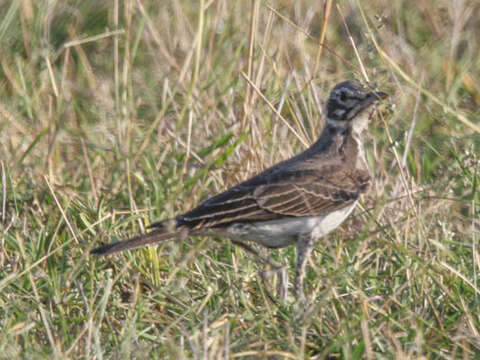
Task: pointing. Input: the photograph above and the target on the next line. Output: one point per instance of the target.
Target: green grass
(153, 112)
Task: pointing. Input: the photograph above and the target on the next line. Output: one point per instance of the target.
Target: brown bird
(297, 201)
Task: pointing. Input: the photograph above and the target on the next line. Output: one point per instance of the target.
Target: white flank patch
(284, 232)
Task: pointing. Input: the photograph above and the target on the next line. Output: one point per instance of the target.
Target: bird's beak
(373, 97)
(379, 95)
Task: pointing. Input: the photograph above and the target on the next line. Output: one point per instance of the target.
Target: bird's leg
(304, 249)
(277, 268)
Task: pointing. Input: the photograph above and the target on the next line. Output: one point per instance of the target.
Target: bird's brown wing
(277, 193)
(288, 192)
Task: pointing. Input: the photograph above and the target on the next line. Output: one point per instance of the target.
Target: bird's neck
(338, 139)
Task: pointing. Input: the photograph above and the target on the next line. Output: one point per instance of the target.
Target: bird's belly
(284, 232)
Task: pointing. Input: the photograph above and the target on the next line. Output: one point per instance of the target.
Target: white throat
(359, 126)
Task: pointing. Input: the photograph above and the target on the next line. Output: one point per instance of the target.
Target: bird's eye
(343, 96)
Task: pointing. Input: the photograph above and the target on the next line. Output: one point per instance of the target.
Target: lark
(295, 202)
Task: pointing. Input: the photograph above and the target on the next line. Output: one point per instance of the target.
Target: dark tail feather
(153, 237)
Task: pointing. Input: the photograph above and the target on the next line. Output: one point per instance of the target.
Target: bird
(295, 202)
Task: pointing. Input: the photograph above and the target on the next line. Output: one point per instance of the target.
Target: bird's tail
(153, 237)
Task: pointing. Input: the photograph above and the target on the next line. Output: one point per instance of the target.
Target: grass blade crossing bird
(296, 201)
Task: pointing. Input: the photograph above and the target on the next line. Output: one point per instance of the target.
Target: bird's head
(349, 105)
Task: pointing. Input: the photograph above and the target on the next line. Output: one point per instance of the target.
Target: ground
(116, 114)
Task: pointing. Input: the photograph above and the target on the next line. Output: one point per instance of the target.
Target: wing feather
(287, 192)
